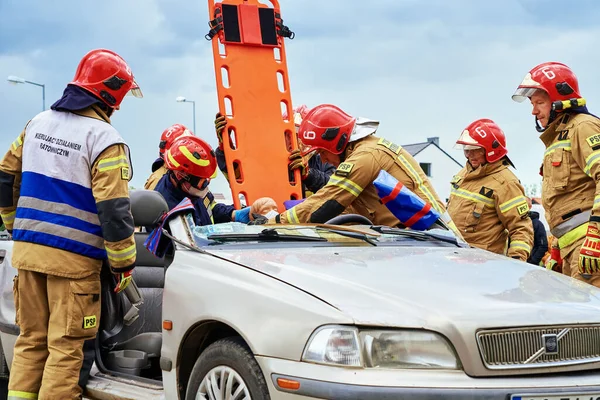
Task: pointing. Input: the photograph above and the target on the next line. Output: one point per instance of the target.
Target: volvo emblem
(550, 343)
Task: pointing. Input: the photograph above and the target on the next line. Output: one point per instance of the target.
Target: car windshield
(235, 233)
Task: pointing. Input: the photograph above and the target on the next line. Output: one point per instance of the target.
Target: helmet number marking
(481, 132)
(549, 73)
(309, 135)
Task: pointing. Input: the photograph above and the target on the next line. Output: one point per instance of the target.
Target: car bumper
(323, 382)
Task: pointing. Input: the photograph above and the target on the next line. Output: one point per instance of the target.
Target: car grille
(539, 347)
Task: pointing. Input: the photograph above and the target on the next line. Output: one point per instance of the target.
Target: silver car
(335, 312)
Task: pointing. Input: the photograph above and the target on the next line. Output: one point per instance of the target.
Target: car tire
(229, 358)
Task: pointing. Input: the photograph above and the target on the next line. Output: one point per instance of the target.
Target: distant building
(437, 164)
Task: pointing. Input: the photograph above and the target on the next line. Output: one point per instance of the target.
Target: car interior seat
(135, 349)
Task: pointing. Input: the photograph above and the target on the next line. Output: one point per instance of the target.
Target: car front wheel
(227, 370)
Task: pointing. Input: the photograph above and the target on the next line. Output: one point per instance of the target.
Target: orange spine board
(253, 92)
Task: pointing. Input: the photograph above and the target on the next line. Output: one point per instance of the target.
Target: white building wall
(443, 168)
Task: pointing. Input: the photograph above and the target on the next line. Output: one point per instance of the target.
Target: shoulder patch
(389, 145)
(344, 169)
(455, 182)
(594, 141)
(523, 209)
(89, 321)
(487, 192)
(563, 135)
(125, 173)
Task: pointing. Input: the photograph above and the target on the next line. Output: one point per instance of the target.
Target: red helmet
(554, 78)
(191, 159)
(169, 135)
(326, 127)
(107, 76)
(484, 133)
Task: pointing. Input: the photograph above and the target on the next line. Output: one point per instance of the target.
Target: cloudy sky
(422, 67)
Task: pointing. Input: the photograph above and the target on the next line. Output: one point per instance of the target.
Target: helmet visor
(466, 142)
(135, 91)
(523, 93)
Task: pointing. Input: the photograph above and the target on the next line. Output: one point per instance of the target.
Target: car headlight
(396, 349)
(337, 345)
(407, 349)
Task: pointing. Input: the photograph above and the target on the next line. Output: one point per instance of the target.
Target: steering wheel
(350, 219)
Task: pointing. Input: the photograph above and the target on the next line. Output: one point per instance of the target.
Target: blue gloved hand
(242, 215)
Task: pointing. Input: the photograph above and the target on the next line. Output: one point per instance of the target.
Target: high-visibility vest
(56, 206)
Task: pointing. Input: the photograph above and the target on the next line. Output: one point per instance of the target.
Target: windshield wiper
(270, 234)
(418, 235)
(350, 234)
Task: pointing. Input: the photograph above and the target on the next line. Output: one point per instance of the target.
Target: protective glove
(220, 125)
(554, 262)
(298, 162)
(242, 215)
(123, 280)
(258, 220)
(589, 255)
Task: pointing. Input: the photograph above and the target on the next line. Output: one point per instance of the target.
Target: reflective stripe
(86, 238)
(519, 244)
(58, 208)
(8, 218)
(572, 236)
(465, 194)
(420, 184)
(201, 162)
(209, 205)
(346, 184)
(16, 395)
(112, 163)
(120, 255)
(291, 215)
(172, 160)
(567, 226)
(512, 203)
(58, 191)
(17, 143)
(561, 144)
(590, 161)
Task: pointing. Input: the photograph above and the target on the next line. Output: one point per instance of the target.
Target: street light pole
(16, 80)
(182, 99)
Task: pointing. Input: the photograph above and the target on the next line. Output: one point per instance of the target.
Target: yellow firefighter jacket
(489, 207)
(352, 185)
(109, 185)
(571, 174)
(153, 179)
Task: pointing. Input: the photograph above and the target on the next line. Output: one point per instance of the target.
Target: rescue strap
(572, 236)
(247, 24)
(566, 227)
(405, 205)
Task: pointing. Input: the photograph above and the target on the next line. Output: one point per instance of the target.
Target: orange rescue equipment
(253, 92)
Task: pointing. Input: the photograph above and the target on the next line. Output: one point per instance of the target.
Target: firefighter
(167, 138)
(313, 172)
(571, 168)
(64, 196)
(191, 164)
(487, 202)
(349, 144)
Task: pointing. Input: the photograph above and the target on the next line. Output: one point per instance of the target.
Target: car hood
(427, 287)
